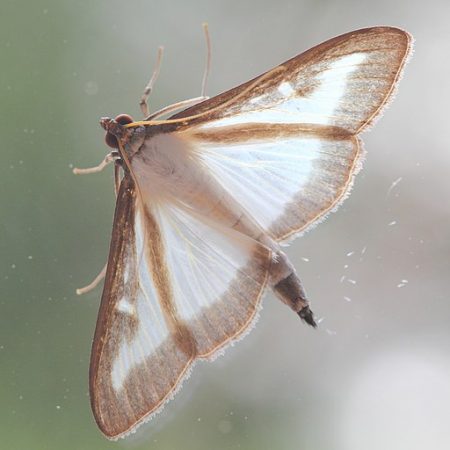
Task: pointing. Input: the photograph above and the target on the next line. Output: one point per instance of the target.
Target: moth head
(110, 139)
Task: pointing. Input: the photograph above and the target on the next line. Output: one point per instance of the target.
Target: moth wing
(284, 144)
(217, 276)
(176, 289)
(285, 176)
(343, 82)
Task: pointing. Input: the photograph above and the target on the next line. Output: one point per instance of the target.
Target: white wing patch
(217, 275)
(203, 260)
(151, 330)
(283, 182)
(288, 103)
(262, 176)
(325, 100)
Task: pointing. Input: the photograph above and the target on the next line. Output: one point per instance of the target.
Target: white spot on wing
(126, 307)
(285, 88)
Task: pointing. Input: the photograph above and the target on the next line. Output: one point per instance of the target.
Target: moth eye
(123, 119)
(110, 139)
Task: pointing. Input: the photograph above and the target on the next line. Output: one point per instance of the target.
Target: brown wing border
(123, 228)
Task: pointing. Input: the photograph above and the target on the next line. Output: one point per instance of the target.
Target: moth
(206, 198)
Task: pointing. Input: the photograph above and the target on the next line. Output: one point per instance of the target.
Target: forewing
(145, 341)
(285, 145)
(343, 82)
(135, 361)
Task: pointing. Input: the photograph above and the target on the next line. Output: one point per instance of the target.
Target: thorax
(165, 164)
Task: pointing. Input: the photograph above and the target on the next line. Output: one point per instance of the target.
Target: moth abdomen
(287, 286)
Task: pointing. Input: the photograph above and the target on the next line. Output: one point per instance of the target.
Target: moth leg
(148, 89)
(109, 158)
(94, 283)
(101, 275)
(117, 178)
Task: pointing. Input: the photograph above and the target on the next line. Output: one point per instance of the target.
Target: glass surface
(375, 375)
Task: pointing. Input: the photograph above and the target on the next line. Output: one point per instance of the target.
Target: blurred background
(375, 375)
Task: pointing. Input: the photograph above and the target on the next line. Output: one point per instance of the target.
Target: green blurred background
(376, 375)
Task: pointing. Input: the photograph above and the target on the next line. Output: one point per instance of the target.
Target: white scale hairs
(206, 197)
